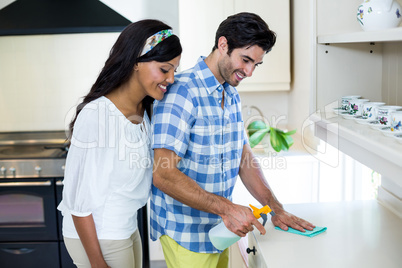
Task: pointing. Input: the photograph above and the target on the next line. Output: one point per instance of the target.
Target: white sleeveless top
(108, 171)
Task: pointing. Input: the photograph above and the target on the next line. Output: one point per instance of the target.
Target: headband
(155, 39)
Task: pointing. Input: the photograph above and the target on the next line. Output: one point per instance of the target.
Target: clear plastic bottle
(222, 238)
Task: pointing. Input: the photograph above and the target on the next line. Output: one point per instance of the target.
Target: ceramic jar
(379, 14)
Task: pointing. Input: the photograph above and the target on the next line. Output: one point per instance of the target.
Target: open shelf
(389, 35)
(373, 149)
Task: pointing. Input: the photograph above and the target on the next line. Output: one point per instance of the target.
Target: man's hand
(240, 220)
(284, 219)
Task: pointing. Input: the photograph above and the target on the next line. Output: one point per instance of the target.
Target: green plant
(279, 139)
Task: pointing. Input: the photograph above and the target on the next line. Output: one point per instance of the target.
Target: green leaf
(289, 140)
(286, 133)
(255, 126)
(275, 140)
(278, 130)
(279, 139)
(257, 137)
(290, 132)
(278, 142)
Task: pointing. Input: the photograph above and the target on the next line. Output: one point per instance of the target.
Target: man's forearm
(253, 178)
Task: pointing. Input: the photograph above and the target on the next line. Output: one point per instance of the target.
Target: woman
(109, 165)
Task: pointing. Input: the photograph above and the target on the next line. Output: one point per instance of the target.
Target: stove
(31, 175)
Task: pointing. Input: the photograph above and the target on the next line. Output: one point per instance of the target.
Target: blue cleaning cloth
(314, 232)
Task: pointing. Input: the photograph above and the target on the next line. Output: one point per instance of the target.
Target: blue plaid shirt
(190, 122)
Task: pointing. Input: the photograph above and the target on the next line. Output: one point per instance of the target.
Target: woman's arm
(85, 227)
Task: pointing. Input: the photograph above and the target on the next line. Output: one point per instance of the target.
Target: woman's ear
(136, 67)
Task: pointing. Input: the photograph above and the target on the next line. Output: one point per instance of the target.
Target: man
(200, 146)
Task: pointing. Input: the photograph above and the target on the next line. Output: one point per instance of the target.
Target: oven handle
(18, 251)
(20, 184)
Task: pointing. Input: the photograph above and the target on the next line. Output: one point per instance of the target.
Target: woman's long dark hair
(125, 54)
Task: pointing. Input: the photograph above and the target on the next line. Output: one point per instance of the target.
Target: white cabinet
(274, 73)
(255, 254)
(352, 62)
(247, 253)
(199, 21)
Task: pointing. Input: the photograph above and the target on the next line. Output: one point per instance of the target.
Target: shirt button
(220, 100)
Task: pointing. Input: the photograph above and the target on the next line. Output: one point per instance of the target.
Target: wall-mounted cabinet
(199, 22)
(352, 62)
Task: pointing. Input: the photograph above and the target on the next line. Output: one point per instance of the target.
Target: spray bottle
(222, 238)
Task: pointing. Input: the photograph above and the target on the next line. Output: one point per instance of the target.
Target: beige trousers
(125, 253)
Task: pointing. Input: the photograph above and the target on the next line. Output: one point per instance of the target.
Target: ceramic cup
(396, 121)
(345, 101)
(356, 106)
(384, 114)
(370, 110)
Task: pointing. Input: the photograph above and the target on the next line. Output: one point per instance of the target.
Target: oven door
(27, 210)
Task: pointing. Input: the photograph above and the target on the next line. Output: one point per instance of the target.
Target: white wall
(43, 76)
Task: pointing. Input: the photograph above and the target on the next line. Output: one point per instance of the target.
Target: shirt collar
(209, 80)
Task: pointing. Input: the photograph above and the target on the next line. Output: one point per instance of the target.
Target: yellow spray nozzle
(257, 211)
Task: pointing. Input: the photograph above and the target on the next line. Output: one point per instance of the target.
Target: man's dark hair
(245, 30)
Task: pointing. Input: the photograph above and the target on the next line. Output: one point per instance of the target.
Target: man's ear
(223, 45)
(136, 67)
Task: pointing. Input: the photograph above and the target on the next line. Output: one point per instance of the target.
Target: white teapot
(379, 14)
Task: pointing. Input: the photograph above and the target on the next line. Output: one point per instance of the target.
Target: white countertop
(360, 234)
